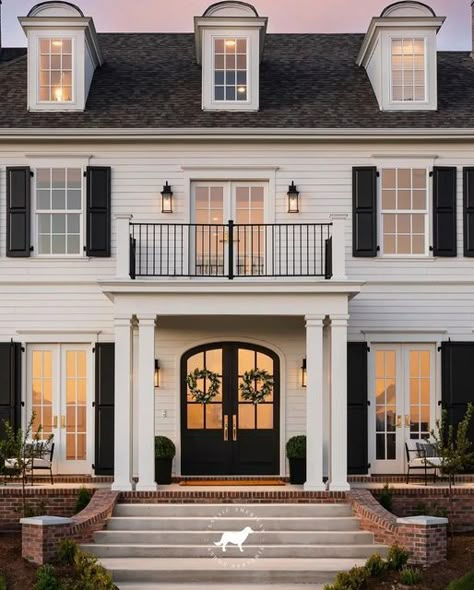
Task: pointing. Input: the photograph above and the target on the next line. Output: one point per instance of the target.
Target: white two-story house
(286, 212)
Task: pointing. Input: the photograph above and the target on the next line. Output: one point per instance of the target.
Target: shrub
(46, 578)
(354, 579)
(92, 575)
(464, 583)
(375, 565)
(386, 497)
(397, 558)
(164, 448)
(83, 499)
(67, 552)
(3, 582)
(410, 576)
(296, 447)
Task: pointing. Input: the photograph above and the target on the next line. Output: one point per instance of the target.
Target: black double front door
(228, 435)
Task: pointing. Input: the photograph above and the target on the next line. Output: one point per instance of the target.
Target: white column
(146, 403)
(338, 451)
(123, 405)
(314, 404)
(123, 245)
(339, 222)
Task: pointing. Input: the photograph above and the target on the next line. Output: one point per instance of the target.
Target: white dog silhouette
(234, 539)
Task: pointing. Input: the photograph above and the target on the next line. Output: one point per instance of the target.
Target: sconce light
(303, 373)
(157, 373)
(167, 199)
(293, 194)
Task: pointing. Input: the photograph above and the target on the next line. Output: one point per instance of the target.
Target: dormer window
(55, 70)
(400, 57)
(229, 46)
(230, 69)
(63, 54)
(408, 70)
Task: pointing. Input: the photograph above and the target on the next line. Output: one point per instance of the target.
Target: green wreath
(249, 388)
(203, 397)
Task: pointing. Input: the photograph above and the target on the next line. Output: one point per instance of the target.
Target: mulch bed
(20, 574)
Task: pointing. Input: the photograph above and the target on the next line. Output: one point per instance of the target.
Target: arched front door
(228, 435)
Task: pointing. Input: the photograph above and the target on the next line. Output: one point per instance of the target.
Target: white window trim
(34, 213)
(428, 227)
(242, 103)
(253, 67)
(425, 70)
(59, 103)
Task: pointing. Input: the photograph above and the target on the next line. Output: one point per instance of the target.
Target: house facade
(192, 218)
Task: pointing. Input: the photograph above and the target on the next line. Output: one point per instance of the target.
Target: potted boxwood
(164, 454)
(296, 453)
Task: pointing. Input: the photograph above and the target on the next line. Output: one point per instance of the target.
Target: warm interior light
(57, 43)
(241, 89)
(157, 373)
(230, 43)
(58, 94)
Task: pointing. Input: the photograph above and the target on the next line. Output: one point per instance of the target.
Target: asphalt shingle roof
(307, 81)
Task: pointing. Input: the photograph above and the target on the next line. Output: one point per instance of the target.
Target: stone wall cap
(46, 520)
(422, 520)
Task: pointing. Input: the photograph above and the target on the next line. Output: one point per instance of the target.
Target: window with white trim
(404, 211)
(230, 59)
(59, 211)
(408, 70)
(55, 70)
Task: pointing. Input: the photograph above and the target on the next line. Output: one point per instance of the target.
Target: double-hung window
(59, 211)
(230, 67)
(408, 72)
(404, 212)
(55, 70)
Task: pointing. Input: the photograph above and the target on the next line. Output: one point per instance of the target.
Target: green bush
(397, 558)
(46, 579)
(375, 565)
(83, 499)
(464, 583)
(386, 497)
(3, 582)
(354, 579)
(67, 552)
(92, 575)
(410, 576)
(296, 447)
(164, 448)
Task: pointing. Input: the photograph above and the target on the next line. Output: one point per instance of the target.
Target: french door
(58, 392)
(402, 396)
(213, 205)
(229, 435)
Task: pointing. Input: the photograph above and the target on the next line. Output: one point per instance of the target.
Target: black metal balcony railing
(230, 250)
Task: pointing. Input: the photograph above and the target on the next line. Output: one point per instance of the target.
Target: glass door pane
(419, 400)
(254, 416)
(42, 392)
(208, 236)
(207, 416)
(250, 236)
(76, 405)
(385, 404)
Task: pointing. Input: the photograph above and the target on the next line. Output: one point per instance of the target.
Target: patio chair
(38, 455)
(421, 455)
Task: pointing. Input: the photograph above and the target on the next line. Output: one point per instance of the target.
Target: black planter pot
(163, 471)
(297, 471)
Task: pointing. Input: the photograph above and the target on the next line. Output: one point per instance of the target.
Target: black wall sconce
(157, 373)
(293, 198)
(303, 373)
(167, 199)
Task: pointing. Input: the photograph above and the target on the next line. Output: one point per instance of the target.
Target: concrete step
(171, 537)
(213, 510)
(227, 570)
(267, 551)
(237, 523)
(151, 586)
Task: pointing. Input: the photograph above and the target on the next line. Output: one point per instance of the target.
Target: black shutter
(457, 378)
(364, 212)
(357, 426)
(468, 211)
(104, 408)
(10, 384)
(98, 211)
(18, 212)
(444, 211)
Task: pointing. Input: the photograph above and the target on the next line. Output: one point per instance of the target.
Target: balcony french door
(212, 205)
(402, 396)
(58, 392)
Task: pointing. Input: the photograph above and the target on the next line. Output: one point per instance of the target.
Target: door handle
(55, 421)
(399, 421)
(63, 421)
(234, 427)
(226, 427)
(407, 420)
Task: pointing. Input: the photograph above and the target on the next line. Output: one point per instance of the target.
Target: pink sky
(298, 16)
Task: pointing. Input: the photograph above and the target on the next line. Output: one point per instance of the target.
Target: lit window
(230, 69)
(404, 211)
(408, 70)
(59, 210)
(55, 70)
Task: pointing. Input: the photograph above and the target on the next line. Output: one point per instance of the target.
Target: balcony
(231, 251)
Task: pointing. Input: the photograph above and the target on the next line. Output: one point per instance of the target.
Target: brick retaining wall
(211, 496)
